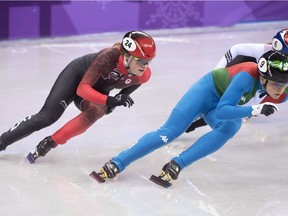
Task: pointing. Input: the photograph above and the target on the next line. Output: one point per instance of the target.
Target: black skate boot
(170, 171)
(109, 170)
(3, 146)
(41, 149)
(196, 124)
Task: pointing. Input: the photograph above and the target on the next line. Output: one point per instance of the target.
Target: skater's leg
(60, 96)
(30, 124)
(210, 142)
(204, 146)
(174, 127)
(89, 115)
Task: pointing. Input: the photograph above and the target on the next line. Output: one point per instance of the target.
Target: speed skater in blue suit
(219, 97)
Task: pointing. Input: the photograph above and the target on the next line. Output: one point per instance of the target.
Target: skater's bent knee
(166, 134)
(230, 128)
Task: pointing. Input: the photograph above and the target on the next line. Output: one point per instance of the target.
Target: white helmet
(280, 41)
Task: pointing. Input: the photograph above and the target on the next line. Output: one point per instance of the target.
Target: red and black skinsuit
(86, 81)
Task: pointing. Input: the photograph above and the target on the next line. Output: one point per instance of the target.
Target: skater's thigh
(64, 89)
(229, 127)
(198, 100)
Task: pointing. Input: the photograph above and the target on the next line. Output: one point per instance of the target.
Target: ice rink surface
(247, 177)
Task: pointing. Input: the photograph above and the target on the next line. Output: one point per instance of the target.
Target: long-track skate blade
(31, 158)
(159, 181)
(97, 177)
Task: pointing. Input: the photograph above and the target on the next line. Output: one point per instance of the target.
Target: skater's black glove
(109, 110)
(119, 100)
(266, 109)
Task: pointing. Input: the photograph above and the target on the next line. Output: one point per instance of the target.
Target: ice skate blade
(157, 180)
(31, 158)
(97, 177)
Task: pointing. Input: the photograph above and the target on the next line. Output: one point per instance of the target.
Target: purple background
(33, 19)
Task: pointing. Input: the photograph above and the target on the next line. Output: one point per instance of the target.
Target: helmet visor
(278, 84)
(141, 61)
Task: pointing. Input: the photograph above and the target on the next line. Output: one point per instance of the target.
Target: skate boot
(3, 146)
(109, 170)
(170, 171)
(41, 149)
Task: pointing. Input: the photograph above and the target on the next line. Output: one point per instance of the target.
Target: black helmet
(273, 65)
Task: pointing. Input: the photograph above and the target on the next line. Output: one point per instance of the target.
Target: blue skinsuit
(221, 113)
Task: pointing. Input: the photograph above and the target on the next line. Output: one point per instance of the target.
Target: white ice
(247, 177)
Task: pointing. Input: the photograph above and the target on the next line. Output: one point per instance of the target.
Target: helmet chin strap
(127, 63)
(264, 86)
